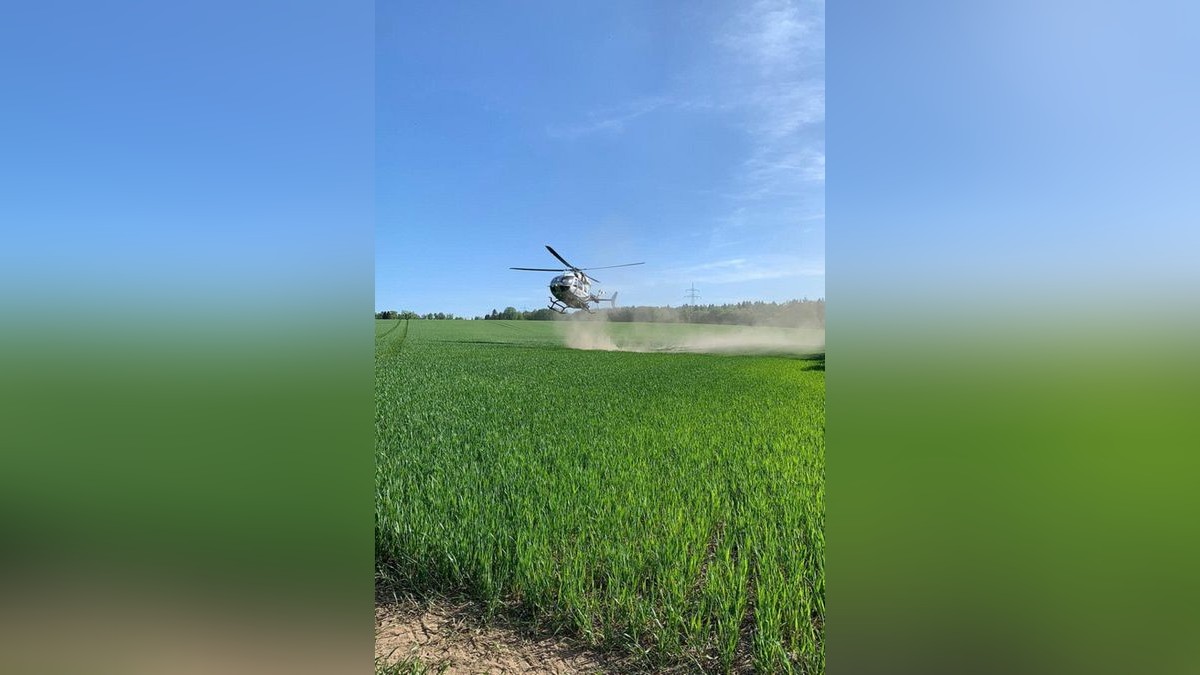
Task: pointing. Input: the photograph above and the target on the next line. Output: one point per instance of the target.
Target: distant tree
(805, 312)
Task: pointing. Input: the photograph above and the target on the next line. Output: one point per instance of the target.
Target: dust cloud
(588, 335)
(596, 333)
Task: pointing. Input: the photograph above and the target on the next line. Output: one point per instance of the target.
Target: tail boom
(612, 300)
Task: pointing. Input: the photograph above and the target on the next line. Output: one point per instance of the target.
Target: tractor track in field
(714, 540)
(393, 346)
(394, 327)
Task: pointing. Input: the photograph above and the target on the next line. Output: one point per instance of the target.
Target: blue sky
(167, 156)
(689, 135)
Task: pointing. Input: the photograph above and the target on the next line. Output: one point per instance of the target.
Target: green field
(670, 505)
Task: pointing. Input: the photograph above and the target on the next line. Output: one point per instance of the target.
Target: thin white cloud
(611, 120)
(772, 55)
(742, 276)
(779, 45)
(775, 35)
(736, 262)
(775, 51)
(774, 172)
(739, 270)
(781, 108)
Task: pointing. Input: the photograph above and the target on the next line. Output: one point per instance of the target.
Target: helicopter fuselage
(571, 290)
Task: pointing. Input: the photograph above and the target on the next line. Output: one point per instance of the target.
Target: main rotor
(571, 268)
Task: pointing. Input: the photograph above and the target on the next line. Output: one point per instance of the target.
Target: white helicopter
(570, 290)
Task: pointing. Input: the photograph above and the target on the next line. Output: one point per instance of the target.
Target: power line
(692, 295)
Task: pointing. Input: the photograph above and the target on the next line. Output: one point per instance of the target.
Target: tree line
(392, 314)
(809, 313)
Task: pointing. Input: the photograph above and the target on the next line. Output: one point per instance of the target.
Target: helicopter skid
(558, 305)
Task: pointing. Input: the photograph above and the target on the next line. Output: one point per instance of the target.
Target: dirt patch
(453, 638)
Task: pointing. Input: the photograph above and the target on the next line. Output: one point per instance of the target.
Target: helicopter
(570, 290)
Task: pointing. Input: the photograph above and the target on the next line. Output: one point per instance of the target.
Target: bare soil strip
(452, 638)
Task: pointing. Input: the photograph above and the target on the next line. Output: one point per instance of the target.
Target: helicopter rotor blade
(609, 267)
(571, 267)
(560, 258)
(606, 267)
